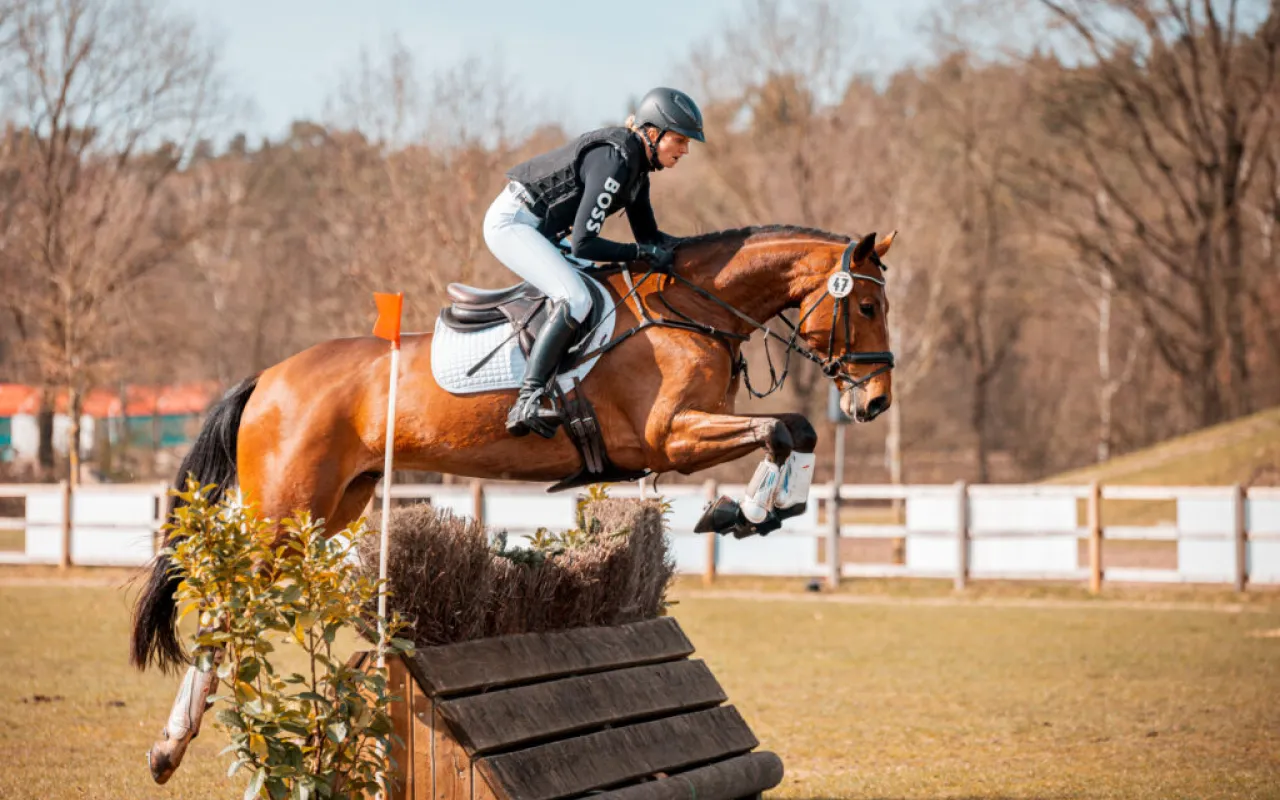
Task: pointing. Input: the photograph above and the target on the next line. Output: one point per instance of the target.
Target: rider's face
(671, 148)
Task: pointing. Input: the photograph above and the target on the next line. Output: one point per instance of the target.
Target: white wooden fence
(110, 524)
(1218, 535)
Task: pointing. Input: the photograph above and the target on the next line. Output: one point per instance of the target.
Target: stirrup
(529, 416)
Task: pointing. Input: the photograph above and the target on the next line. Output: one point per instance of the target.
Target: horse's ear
(864, 248)
(886, 243)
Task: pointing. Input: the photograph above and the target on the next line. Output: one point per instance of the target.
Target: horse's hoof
(724, 516)
(721, 516)
(165, 756)
(763, 528)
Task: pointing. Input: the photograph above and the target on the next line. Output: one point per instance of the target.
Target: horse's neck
(761, 282)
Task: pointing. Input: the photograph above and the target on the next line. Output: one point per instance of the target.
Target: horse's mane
(757, 232)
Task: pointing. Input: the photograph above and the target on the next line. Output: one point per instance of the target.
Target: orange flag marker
(387, 327)
(388, 324)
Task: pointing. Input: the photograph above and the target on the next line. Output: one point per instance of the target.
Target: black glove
(667, 240)
(660, 258)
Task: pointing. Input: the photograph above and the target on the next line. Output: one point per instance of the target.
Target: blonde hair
(640, 129)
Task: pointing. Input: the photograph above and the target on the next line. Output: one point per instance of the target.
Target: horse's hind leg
(323, 498)
(354, 500)
(183, 723)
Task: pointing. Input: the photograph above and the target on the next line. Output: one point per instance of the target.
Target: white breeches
(511, 232)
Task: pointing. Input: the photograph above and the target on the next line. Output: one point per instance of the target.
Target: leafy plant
(546, 543)
(322, 733)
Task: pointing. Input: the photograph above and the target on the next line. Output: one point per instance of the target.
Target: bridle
(841, 281)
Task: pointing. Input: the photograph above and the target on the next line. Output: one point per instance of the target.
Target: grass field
(863, 695)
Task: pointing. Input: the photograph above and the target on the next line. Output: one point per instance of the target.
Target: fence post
(834, 560)
(962, 534)
(1095, 537)
(162, 519)
(477, 500)
(713, 543)
(1240, 536)
(64, 560)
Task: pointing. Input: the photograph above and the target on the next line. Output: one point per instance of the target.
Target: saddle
(526, 308)
(523, 305)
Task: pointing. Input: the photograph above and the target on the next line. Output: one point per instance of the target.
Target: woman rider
(575, 187)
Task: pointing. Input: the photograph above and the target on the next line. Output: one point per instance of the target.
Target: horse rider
(575, 188)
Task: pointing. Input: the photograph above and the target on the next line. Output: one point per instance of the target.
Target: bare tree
(970, 113)
(1162, 130)
(403, 199)
(113, 96)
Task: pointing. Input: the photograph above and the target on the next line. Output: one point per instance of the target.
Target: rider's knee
(579, 300)
(494, 219)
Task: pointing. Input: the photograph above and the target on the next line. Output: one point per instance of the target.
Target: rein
(839, 288)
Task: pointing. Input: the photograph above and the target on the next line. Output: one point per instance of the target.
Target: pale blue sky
(583, 58)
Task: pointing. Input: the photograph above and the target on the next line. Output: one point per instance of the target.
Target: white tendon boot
(797, 477)
(759, 497)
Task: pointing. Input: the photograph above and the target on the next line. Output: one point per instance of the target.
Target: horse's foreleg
(183, 724)
(780, 485)
(796, 473)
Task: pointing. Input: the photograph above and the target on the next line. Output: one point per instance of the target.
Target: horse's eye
(868, 310)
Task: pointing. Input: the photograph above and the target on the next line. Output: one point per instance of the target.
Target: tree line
(1087, 194)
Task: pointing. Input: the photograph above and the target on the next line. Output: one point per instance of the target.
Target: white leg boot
(759, 497)
(797, 477)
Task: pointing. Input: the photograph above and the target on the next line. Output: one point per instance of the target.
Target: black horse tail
(212, 460)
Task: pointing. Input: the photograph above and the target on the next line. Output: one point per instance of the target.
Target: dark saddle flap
(523, 305)
(479, 299)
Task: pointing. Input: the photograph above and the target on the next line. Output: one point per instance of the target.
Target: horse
(308, 434)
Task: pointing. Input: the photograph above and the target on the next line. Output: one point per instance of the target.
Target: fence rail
(1171, 534)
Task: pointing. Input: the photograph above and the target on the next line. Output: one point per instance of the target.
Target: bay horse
(307, 434)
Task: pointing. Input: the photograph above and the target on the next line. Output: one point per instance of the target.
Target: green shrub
(322, 733)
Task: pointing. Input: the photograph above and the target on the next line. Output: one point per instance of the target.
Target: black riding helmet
(669, 110)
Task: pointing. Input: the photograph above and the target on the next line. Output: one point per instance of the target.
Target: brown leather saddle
(522, 305)
(526, 307)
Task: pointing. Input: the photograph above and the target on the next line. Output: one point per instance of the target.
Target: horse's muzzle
(871, 406)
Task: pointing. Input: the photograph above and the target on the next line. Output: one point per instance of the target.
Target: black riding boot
(554, 339)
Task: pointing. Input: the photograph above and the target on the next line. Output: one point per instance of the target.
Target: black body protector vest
(554, 184)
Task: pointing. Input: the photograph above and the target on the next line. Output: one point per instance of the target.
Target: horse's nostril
(877, 406)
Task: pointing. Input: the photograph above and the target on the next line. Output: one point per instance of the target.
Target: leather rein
(839, 288)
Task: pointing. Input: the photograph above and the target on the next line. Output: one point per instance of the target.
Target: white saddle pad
(453, 353)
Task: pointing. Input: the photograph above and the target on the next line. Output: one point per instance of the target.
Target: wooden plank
(962, 535)
(712, 492)
(618, 755)
(1095, 538)
(527, 657)
(419, 765)
(451, 764)
(743, 776)
(399, 684)
(1239, 536)
(503, 719)
(480, 788)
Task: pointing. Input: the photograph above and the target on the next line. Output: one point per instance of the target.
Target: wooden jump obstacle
(617, 713)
